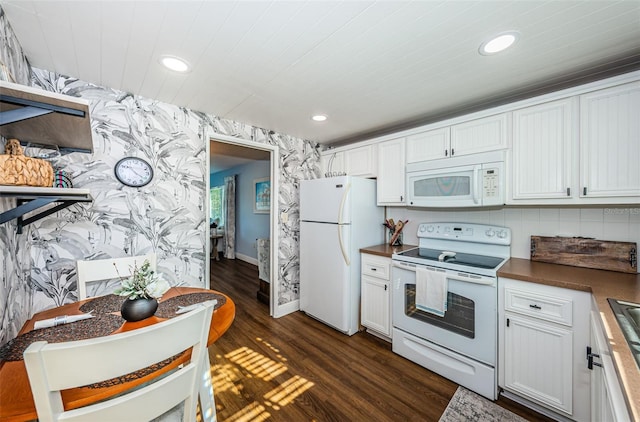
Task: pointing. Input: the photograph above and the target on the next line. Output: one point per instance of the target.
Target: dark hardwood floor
(297, 369)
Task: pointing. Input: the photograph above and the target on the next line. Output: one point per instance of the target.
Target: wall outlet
(284, 217)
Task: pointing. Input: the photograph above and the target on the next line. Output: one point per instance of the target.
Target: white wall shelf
(29, 199)
(47, 118)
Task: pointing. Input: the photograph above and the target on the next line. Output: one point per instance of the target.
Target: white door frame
(273, 150)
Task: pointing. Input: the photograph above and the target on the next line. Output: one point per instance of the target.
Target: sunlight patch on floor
(266, 343)
(255, 412)
(243, 360)
(286, 392)
(224, 378)
(257, 364)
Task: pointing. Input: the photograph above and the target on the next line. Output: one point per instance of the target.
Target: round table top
(15, 392)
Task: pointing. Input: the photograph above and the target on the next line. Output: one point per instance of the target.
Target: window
(217, 204)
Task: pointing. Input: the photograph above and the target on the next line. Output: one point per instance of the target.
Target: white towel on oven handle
(431, 291)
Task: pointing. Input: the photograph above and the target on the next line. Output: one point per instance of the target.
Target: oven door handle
(487, 281)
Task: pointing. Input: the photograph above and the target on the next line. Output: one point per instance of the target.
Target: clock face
(133, 171)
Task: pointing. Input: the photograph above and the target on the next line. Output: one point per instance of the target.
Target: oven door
(469, 325)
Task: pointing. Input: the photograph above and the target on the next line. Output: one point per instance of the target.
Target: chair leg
(207, 403)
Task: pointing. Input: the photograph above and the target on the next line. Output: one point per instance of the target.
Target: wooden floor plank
(295, 368)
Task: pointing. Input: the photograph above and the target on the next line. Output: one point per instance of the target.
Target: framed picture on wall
(262, 195)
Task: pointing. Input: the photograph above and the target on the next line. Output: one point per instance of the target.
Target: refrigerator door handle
(342, 202)
(344, 252)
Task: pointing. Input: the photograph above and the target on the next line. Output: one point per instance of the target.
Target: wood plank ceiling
(371, 66)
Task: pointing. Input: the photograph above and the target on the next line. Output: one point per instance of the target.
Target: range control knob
(422, 228)
(502, 234)
(490, 233)
(430, 229)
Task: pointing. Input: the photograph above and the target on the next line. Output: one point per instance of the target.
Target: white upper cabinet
(332, 163)
(429, 145)
(391, 172)
(579, 146)
(480, 135)
(361, 161)
(544, 153)
(610, 143)
(472, 137)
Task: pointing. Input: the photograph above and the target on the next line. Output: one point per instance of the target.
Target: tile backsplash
(614, 223)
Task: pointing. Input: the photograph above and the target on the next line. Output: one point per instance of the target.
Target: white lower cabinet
(375, 296)
(543, 338)
(607, 400)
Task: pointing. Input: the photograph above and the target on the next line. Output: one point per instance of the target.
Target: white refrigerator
(338, 216)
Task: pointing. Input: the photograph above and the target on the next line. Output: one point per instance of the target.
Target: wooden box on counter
(586, 252)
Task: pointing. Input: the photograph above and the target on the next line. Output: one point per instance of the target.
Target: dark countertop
(602, 285)
(386, 250)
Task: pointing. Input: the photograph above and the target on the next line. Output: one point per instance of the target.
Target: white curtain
(230, 217)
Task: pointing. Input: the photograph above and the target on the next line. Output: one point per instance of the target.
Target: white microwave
(476, 180)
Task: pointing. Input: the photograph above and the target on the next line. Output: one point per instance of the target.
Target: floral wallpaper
(11, 54)
(166, 217)
(15, 292)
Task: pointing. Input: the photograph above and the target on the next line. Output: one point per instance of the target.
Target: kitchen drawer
(376, 266)
(554, 309)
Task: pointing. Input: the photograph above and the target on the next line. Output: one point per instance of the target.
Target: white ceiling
(371, 66)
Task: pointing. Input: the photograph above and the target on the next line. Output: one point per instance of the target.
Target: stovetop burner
(476, 248)
(458, 258)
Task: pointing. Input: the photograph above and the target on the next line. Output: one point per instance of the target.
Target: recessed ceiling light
(319, 118)
(498, 43)
(175, 63)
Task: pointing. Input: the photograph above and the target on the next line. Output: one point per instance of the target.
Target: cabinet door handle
(584, 191)
(535, 306)
(590, 356)
(568, 191)
(385, 287)
(507, 322)
(401, 198)
(446, 152)
(452, 152)
(374, 269)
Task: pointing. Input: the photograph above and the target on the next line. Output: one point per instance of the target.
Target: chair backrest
(58, 366)
(104, 269)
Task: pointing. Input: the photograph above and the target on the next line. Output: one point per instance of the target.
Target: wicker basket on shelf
(16, 169)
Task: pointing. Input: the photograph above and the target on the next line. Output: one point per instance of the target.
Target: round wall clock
(133, 171)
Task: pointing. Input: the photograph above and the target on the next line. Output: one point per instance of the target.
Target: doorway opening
(255, 167)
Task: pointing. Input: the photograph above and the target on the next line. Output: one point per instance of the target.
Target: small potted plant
(142, 290)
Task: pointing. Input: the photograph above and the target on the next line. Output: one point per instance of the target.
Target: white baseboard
(247, 259)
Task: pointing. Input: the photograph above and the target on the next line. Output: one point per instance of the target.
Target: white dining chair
(53, 367)
(104, 269)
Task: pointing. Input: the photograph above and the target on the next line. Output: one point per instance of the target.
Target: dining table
(16, 401)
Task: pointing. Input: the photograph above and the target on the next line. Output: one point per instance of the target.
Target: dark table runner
(102, 324)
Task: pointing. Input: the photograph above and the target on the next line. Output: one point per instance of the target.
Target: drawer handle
(373, 269)
(535, 306)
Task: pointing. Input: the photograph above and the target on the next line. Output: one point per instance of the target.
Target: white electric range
(461, 343)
